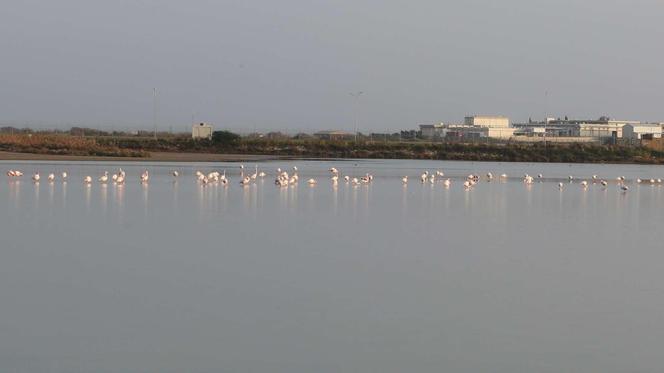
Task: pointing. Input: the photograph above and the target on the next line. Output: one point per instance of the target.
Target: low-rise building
(476, 132)
(487, 121)
(643, 131)
(202, 131)
(334, 135)
(433, 131)
(601, 129)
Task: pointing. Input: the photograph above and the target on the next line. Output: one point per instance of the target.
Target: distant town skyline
(292, 65)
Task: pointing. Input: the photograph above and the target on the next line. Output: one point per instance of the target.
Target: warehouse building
(487, 121)
(643, 131)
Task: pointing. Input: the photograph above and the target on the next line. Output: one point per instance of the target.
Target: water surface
(172, 276)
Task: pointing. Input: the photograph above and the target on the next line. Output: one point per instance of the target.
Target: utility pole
(356, 96)
(154, 111)
(546, 121)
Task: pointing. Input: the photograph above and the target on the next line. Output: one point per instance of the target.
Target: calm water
(176, 277)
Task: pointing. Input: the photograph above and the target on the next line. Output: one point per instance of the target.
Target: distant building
(201, 131)
(334, 135)
(478, 132)
(487, 121)
(433, 131)
(601, 129)
(643, 131)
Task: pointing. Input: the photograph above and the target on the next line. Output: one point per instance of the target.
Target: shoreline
(154, 157)
(188, 157)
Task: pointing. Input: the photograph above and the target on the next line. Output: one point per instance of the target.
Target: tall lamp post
(154, 111)
(356, 96)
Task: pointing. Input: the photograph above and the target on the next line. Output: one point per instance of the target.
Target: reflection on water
(176, 276)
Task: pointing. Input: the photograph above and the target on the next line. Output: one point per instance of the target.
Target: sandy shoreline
(154, 157)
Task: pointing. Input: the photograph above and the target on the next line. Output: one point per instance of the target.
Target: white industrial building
(643, 131)
(602, 129)
(487, 121)
(202, 131)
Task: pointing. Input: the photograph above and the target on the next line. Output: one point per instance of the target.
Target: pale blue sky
(291, 64)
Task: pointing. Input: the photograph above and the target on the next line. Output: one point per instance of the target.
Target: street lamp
(356, 96)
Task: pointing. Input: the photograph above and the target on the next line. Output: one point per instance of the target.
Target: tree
(224, 138)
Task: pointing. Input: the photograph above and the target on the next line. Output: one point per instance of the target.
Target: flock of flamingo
(283, 178)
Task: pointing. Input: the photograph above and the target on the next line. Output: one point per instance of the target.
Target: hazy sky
(291, 64)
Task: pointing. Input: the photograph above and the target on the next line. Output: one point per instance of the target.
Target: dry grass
(62, 145)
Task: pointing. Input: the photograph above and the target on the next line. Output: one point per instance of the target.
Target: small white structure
(642, 131)
(201, 131)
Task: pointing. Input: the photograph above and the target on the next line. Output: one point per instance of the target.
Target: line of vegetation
(90, 143)
(60, 144)
(226, 142)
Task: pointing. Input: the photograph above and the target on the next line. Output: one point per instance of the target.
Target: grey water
(174, 276)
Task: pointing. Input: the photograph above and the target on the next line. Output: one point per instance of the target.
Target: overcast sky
(292, 64)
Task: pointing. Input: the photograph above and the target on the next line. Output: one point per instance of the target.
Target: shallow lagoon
(173, 276)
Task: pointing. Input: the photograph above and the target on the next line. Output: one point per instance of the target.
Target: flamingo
(36, 177)
(346, 178)
(176, 174)
(246, 181)
(18, 173)
(104, 177)
(145, 176)
(404, 179)
(489, 176)
(335, 178)
(64, 175)
(261, 174)
(51, 178)
(424, 176)
(311, 181)
(255, 174)
(584, 184)
(11, 173)
(604, 183)
(120, 179)
(560, 186)
(624, 187)
(447, 183)
(87, 179)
